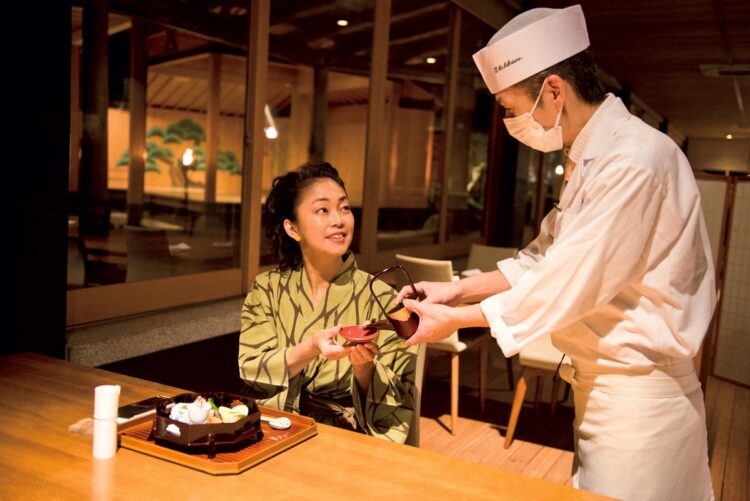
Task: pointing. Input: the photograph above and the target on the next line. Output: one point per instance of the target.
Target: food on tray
(202, 411)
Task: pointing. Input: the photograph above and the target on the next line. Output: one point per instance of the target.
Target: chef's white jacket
(621, 274)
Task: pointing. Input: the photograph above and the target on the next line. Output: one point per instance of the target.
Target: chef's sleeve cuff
(511, 270)
(491, 308)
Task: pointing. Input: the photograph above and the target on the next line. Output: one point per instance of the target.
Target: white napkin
(105, 438)
(106, 399)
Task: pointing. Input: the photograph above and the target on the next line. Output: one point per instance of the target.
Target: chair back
(429, 270)
(486, 257)
(413, 437)
(148, 253)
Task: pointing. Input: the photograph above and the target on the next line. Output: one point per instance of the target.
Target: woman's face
(325, 222)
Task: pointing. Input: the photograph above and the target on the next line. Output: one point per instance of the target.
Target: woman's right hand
(325, 341)
(447, 293)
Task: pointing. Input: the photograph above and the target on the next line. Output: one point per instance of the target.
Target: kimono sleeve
(388, 407)
(262, 359)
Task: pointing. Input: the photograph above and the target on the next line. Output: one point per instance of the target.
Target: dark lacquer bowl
(356, 334)
(209, 437)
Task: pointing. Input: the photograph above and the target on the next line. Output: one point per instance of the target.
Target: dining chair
(413, 437)
(538, 360)
(434, 270)
(485, 258)
(148, 253)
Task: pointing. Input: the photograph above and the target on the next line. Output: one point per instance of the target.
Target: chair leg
(538, 396)
(553, 401)
(454, 392)
(515, 411)
(482, 373)
(509, 366)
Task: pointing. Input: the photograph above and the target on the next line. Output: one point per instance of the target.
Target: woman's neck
(320, 273)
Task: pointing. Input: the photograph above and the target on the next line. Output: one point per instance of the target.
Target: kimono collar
(347, 270)
(596, 135)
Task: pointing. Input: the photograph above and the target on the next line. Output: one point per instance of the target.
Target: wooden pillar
(450, 119)
(75, 117)
(319, 115)
(375, 154)
(94, 104)
(255, 100)
(137, 108)
(213, 113)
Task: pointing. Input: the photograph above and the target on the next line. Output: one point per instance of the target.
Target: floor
(542, 446)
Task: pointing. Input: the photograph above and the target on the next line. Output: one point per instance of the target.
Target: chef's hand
(448, 293)
(436, 321)
(363, 353)
(325, 341)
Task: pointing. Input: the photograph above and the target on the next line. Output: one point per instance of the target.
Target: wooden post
(450, 119)
(94, 217)
(375, 155)
(255, 100)
(137, 107)
(317, 149)
(213, 115)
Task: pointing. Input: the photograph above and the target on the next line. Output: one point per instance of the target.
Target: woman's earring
(297, 238)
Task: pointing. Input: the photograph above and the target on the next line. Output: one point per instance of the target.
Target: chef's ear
(558, 87)
(291, 229)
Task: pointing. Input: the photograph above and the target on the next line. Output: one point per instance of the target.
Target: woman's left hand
(363, 353)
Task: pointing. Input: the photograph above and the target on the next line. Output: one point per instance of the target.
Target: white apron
(640, 437)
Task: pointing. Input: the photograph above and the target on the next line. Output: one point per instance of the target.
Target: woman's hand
(363, 353)
(325, 341)
(361, 358)
(448, 293)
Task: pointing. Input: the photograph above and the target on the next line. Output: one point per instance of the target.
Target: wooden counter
(39, 458)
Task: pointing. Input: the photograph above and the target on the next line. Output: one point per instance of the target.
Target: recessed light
(342, 22)
(430, 60)
(729, 136)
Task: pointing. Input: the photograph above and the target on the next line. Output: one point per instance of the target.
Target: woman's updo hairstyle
(281, 204)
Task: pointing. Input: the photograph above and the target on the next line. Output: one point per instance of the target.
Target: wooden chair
(539, 359)
(442, 271)
(485, 258)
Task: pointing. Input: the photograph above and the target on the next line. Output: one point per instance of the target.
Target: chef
(620, 276)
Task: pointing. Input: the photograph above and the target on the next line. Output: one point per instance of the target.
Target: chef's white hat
(529, 43)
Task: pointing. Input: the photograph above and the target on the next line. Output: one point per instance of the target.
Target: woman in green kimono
(290, 351)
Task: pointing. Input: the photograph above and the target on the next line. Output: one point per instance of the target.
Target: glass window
(467, 169)
(409, 202)
(317, 95)
(164, 202)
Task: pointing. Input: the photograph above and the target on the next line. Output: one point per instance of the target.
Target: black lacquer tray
(210, 437)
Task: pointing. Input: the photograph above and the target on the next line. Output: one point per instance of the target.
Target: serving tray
(226, 462)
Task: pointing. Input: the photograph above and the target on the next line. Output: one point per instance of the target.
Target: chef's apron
(640, 437)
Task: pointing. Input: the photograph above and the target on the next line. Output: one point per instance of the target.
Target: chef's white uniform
(622, 278)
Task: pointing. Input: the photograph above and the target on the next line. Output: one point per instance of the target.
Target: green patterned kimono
(278, 314)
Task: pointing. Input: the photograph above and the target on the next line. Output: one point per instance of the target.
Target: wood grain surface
(41, 459)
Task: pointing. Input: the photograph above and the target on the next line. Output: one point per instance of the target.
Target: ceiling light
(342, 22)
(559, 170)
(431, 60)
(729, 136)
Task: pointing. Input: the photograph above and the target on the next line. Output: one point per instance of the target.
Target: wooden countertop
(39, 458)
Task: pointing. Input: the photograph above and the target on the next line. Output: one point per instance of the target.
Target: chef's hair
(579, 70)
(281, 204)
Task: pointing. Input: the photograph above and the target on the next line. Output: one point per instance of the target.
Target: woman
(289, 352)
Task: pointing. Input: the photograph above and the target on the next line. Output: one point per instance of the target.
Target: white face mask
(531, 133)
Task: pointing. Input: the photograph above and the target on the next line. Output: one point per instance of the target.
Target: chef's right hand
(447, 293)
